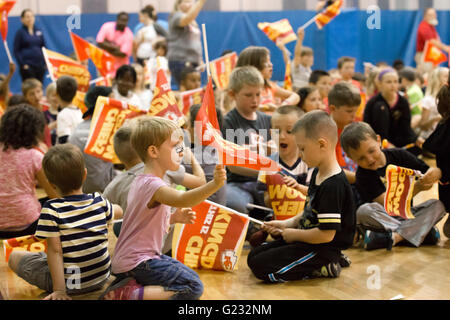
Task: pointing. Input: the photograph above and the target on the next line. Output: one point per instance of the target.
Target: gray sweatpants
(373, 216)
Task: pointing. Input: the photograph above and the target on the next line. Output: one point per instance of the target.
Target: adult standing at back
(185, 44)
(28, 43)
(147, 35)
(427, 32)
(116, 38)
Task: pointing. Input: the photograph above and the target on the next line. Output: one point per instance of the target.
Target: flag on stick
(433, 54)
(280, 32)
(329, 13)
(5, 8)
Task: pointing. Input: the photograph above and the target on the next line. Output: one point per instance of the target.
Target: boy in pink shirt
(142, 271)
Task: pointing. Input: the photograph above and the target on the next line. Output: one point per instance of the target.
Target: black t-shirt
(393, 124)
(245, 132)
(330, 206)
(371, 183)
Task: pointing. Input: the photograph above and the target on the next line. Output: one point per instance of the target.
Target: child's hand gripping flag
(109, 115)
(399, 191)
(280, 32)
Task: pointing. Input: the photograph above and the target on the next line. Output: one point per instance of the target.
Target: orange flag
(109, 115)
(164, 103)
(102, 60)
(280, 32)
(221, 69)
(59, 65)
(230, 154)
(214, 241)
(5, 8)
(399, 191)
(433, 54)
(329, 13)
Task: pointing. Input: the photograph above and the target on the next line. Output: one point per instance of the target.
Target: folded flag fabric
(399, 191)
(329, 13)
(280, 32)
(214, 241)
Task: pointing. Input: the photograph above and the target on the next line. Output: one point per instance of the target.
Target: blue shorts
(169, 273)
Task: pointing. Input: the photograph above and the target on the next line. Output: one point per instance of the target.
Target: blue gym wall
(347, 35)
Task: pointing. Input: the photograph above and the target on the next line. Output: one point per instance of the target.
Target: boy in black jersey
(312, 241)
(363, 146)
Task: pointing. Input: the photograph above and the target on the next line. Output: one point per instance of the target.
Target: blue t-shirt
(28, 47)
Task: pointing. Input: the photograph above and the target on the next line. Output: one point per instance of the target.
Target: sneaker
(258, 238)
(432, 237)
(125, 289)
(446, 227)
(344, 261)
(378, 240)
(331, 270)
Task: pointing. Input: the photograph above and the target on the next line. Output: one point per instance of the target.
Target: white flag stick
(205, 46)
(8, 53)
(310, 22)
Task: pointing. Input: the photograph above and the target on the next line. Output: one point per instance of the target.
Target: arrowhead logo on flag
(280, 32)
(164, 103)
(5, 8)
(433, 54)
(329, 13)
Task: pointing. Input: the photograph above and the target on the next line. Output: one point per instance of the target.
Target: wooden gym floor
(407, 273)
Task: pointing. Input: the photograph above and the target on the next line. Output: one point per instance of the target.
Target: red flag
(287, 77)
(191, 97)
(5, 8)
(101, 59)
(329, 13)
(207, 112)
(164, 103)
(433, 54)
(59, 65)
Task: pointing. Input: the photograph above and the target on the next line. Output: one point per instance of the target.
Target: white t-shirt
(145, 49)
(132, 98)
(153, 69)
(67, 120)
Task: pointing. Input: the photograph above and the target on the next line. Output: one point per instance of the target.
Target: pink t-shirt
(19, 206)
(143, 229)
(123, 39)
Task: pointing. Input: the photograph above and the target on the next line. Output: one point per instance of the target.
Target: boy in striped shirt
(311, 242)
(75, 227)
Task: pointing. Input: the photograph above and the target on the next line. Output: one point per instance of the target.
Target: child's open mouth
(283, 145)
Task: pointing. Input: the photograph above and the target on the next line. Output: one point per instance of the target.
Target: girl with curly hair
(21, 130)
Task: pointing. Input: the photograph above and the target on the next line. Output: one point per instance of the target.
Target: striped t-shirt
(80, 222)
